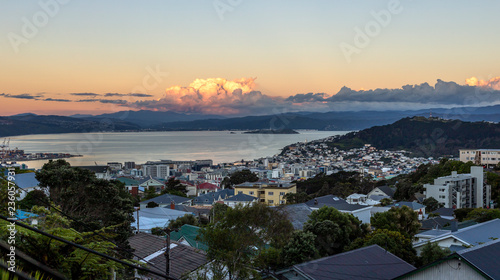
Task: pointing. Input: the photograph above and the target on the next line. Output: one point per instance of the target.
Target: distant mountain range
(425, 136)
(154, 120)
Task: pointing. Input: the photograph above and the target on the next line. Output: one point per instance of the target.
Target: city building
(461, 190)
(484, 157)
(272, 194)
(156, 170)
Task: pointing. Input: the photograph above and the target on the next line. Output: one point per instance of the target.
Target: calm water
(220, 146)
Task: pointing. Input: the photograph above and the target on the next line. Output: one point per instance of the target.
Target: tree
(393, 241)
(150, 193)
(294, 198)
(400, 219)
(239, 234)
(243, 176)
(385, 201)
(431, 204)
(152, 204)
(482, 215)
(91, 203)
(187, 219)
(300, 248)
(333, 229)
(462, 213)
(175, 185)
(32, 198)
(432, 252)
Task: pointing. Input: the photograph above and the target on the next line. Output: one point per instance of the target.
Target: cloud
(56, 99)
(308, 97)
(105, 101)
(128, 94)
(85, 94)
(22, 96)
(493, 83)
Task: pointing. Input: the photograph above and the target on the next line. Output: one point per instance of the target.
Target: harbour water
(103, 147)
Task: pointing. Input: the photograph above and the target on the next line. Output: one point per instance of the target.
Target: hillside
(425, 136)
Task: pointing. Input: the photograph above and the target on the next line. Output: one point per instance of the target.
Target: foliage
(73, 262)
(341, 184)
(294, 198)
(242, 176)
(269, 260)
(187, 219)
(174, 192)
(482, 215)
(150, 193)
(32, 198)
(432, 252)
(239, 234)
(462, 213)
(218, 211)
(300, 248)
(152, 204)
(493, 180)
(400, 219)
(333, 229)
(175, 186)
(393, 241)
(431, 204)
(386, 201)
(158, 231)
(92, 203)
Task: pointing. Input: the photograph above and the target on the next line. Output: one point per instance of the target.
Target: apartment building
(485, 157)
(272, 194)
(156, 170)
(461, 190)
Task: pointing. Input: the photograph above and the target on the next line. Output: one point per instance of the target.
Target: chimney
(172, 205)
(454, 226)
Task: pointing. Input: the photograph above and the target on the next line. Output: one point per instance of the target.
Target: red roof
(207, 186)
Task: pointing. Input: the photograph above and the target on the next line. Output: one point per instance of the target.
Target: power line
(86, 249)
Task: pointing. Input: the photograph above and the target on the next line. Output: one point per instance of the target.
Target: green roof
(189, 234)
(128, 181)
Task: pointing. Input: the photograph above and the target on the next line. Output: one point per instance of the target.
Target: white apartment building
(485, 157)
(461, 190)
(156, 170)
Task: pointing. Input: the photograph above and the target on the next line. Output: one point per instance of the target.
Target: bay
(103, 147)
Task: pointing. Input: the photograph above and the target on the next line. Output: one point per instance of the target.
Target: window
(282, 193)
(282, 202)
(251, 193)
(271, 201)
(240, 192)
(441, 190)
(270, 193)
(442, 196)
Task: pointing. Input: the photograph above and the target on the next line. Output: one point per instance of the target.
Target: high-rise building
(485, 157)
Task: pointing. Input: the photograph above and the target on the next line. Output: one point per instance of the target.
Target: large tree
(300, 248)
(432, 252)
(90, 202)
(400, 219)
(239, 234)
(243, 176)
(333, 229)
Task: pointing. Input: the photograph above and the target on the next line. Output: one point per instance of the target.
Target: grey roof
(183, 258)
(435, 222)
(486, 257)
(370, 262)
(411, 205)
(298, 214)
(335, 202)
(456, 248)
(211, 197)
(26, 180)
(167, 199)
(387, 190)
(241, 197)
(447, 212)
(480, 233)
(142, 181)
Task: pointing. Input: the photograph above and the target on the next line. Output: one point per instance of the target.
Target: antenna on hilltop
(430, 114)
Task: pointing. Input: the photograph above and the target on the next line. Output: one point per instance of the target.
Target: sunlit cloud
(493, 83)
(128, 94)
(85, 94)
(21, 96)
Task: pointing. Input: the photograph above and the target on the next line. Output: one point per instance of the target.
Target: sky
(241, 57)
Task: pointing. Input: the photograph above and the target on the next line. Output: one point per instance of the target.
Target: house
(415, 206)
(297, 214)
(187, 235)
(356, 198)
(445, 213)
(434, 223)
(100, 171)
(206, 188)
(148, 182)
(240, 199)
(382, 190)
(212, 197)
(485, 157)
(361, 212)
(461, 190)
(150, 249)
(166, 200)
(27, 183)
(371, 262)
(457, 239)
(131, 185)
(272, 194)
(149, 218)
(478, 262)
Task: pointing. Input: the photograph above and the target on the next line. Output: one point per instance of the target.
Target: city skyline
(67, 57)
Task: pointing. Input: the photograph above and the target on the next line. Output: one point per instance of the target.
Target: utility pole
(167, 251)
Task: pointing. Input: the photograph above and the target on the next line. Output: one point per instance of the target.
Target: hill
(425, 136)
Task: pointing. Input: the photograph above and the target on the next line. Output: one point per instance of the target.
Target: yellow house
(272, 194)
